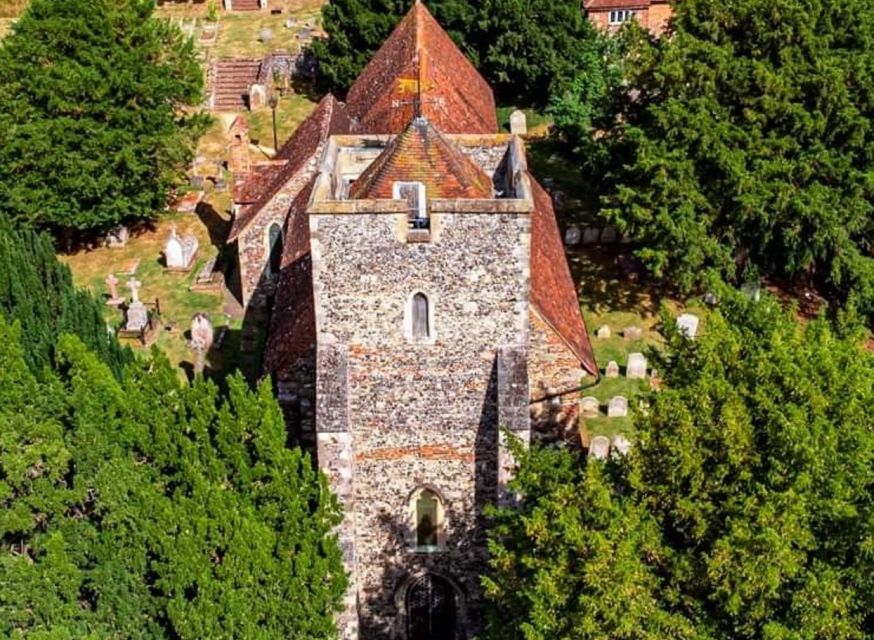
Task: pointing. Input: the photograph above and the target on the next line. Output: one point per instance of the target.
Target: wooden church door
(431, 609)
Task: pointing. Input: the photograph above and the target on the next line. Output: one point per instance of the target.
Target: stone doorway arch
(431, 607)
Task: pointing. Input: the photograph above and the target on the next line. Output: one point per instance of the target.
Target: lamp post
(274, 102)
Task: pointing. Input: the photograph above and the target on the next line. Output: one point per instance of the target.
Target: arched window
(427, 520)
(421, 321)
(274, 247)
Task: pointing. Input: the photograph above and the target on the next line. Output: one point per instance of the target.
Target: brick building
(611, 14)
(421, 301)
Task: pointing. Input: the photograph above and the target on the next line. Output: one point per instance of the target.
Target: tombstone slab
(603, 332)
(609, 235)
(620, 446)
(136, 317)
(612, 370)
(117, 238)
(572, 236)
(599, 448)
(636, 368)
(617, 407)
(179, 253)
(590, 406)
(687, 324)
(632, 333)
(518, 123)
(591, 235)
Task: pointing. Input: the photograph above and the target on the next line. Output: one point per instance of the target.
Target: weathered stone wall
(418, 414)
(555, 377)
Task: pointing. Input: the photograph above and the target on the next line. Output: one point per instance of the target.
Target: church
(422, 311)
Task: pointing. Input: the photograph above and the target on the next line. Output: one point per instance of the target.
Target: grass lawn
(5, 25)
(240, 32)
(178, 304)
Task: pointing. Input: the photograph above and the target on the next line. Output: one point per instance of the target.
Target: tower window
(421, 325)
(414, 195)
(427, 519)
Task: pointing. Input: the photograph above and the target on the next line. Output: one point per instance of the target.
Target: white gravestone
(636, 368)
(618, 407)
(137, 316)
(603, 331)
(599, 448)
(621, 446)
(179, 252)
(688, 325)
(612, 370)
(518, 123)
(590, 406)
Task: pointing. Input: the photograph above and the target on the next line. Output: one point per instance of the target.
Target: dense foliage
(91, 132)
(525, 48)
(745, 510)
(37, 291)
(746, 145)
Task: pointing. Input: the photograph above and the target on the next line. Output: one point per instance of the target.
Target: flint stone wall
(418, 414)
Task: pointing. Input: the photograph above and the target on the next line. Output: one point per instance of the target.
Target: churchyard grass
(240, 33)
(538, 123)
(5, 26)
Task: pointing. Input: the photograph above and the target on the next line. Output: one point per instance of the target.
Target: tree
(37, 291)
(746, 509)
(745, 143)
(92, 131)
(147, 508)
(524, 49)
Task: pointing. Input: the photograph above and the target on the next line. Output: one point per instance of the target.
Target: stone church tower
(423, 304)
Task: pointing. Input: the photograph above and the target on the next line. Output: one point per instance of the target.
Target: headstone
(265, 35)
(599, 448)
(117, 237)
(688, 325)
(112, 285)
(137, 317)
(620, 446)
(591, 235)
(612, 370)
(559, 199)
(291, 23)
(752, 290)
(257, 96)
(609, 235)
(655, 382)
(201, 331)
(179, 253)
(632, 333)
(710, 299)
(518, 123)
(618, 407)
(603, 331)
(572, 236)
(590, 406)
(636, 368)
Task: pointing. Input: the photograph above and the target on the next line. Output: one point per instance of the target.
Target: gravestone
(603, 331)
(591, 235)
(265, 35)
(609, 235)
(752, 290)
(710, 299)
(291, 23)
(636, 368)
(687, 324)
(117, 237)
(137, 316)
(559, 199)
(632, 333)
(112, 284)
(618, 407)
(179, 253)
(599, 448)
(572, 236)
(257, 96)
(590, 406)
(612, 370)
(201, 331)
(518, 123)
(620, 446)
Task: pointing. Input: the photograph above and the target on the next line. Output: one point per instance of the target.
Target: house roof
(553, 292)
(608, 5)
(420, 62)
(422, 154)
(327, 119)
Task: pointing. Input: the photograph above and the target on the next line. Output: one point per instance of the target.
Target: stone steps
(245, 5)
(231, 81)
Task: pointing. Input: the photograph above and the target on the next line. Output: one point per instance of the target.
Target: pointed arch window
(427, 520)
(421, 321)
(274, 248)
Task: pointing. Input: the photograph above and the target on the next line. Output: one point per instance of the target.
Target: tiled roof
(293, 330)
(553, 292)
(422, 154)
(420, 60)
(328, 118)
(607, 5)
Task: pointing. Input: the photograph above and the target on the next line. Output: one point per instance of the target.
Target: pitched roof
(607, 5)
(422, 154)
(553, 292)
(419, 60)
(328, 118)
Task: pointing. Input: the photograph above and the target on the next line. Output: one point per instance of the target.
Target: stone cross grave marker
(112, 285)
(518, 123)
(590, 406)
(688, 325)
(636, 368)
(137, 317)
(599, 448)
(618, 407)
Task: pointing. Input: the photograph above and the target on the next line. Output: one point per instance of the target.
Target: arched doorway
(431, 613)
